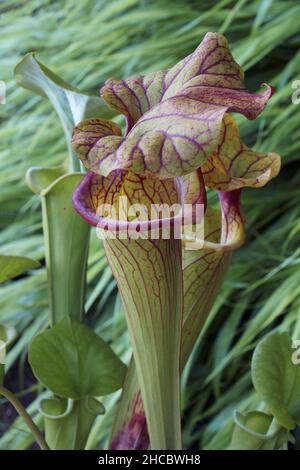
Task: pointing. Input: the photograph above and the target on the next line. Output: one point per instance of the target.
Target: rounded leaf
(276, 378)
(13, 266)
(73, 361)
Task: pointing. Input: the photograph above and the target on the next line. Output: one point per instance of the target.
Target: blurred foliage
(86, 42)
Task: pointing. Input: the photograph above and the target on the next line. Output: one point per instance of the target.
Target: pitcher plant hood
(180, 140)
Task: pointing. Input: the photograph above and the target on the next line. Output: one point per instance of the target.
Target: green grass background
(86, 42)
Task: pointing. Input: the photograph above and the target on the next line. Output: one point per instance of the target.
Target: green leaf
(73, 362)
(71, 104)
(66, 241)
(39, 178)
(253, 431)
(277, 379)
(13, 266)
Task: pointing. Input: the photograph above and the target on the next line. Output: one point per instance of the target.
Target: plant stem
(23, 413)
(144, 270)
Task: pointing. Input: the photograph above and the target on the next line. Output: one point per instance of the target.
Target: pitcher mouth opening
(187, 192)
(124, 217)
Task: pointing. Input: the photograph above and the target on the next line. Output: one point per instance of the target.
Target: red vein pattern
(234, 165)
(179, 138)
(174, 118)
(96, 191)
(149, 278)
(203, 274)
